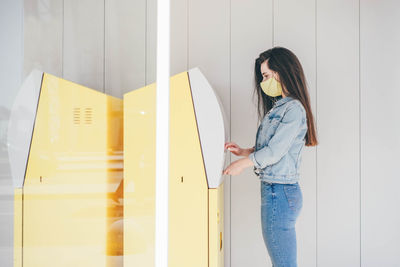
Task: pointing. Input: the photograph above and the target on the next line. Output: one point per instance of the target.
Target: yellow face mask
(271, 87)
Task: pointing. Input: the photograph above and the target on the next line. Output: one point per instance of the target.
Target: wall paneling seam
(104, 46)
(316, 127)
(62, 39)
(145, 44)
(273, 25)
(359, 119)
(230, 129)
(187, 34)
(22, 44)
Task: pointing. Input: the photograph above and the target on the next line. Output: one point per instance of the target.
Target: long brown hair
(293, 81)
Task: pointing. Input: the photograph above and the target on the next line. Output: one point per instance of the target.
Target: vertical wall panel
(251, 25)
(209, 49)
(179, 36)
(84, 42)
(151, 42)
(43, 35)
(338, 123)
(380, 133)
(294, 28)
(125, 46)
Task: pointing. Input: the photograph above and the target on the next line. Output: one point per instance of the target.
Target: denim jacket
(279, 142)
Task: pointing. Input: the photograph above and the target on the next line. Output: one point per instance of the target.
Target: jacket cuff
(253, 159)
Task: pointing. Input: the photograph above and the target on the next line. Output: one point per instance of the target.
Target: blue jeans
(280, 206)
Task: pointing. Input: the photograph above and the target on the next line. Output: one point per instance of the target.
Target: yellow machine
(196, 161)
(83, 166)
(67, 166)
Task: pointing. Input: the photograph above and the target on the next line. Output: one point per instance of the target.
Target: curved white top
(212, 124)
(20, 126)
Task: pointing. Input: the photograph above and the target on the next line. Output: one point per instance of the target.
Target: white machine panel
(212, 124)
(20, 128)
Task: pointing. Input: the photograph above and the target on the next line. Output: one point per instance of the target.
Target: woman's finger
(233, 149)
(228, 144)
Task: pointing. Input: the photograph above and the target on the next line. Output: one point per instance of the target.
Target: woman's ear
(276, 76)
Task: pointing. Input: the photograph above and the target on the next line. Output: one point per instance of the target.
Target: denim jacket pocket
(273, 125)
(294, 196)
(274, 120)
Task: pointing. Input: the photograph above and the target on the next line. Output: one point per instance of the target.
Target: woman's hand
(237, 150)
(238, 166)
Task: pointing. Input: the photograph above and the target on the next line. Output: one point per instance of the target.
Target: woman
(286, 126)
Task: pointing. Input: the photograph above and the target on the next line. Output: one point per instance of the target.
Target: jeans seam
(276, 248)
(287, 198)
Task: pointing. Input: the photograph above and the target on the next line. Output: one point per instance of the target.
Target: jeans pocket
(294, 196)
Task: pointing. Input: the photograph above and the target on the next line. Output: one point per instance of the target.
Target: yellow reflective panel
(75, 208)
(188, 189)
(73, 195)
(18, 227)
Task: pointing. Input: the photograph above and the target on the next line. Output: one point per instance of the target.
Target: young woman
(287, 125)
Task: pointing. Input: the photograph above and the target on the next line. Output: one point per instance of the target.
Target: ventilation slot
(88, 115)
(76, 116)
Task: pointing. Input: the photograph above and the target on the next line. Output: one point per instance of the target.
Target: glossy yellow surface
(216, 226)
(189, 193)
(73, 196)
(75, 208)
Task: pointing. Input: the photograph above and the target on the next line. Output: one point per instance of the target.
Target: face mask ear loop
(276, 97)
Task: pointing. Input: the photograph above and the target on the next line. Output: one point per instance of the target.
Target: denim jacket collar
(282, 101)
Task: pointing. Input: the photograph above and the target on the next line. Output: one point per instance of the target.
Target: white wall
(380, 133)
(337, 112)
(348, 51)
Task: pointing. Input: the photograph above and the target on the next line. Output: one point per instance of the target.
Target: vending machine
(198, 132)
(83, 167)
(65, 148)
